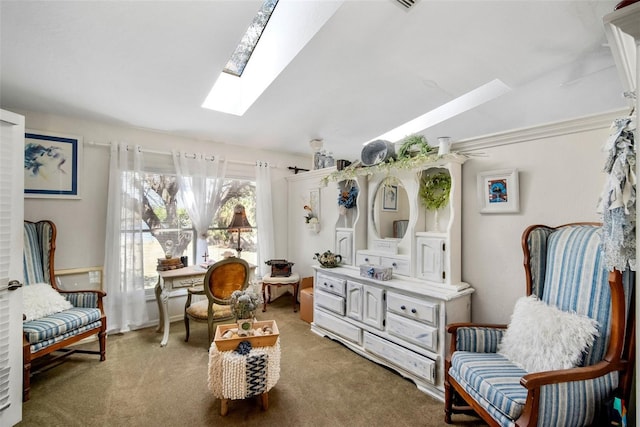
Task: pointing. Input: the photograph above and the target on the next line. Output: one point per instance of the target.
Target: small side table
(268, 281)
(233, 376)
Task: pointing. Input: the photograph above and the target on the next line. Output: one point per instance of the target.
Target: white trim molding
(582, 124)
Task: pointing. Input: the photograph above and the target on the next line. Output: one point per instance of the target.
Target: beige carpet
(321, 383)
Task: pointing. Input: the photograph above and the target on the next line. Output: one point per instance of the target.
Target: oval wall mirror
(390, 210)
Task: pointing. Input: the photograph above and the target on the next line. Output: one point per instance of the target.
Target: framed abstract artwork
(52, 165)
(498, 191)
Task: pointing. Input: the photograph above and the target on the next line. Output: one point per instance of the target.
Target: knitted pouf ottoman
(235, 376)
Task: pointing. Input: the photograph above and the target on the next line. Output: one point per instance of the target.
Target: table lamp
(239, 223)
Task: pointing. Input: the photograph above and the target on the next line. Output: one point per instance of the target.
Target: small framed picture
(498, 191)
(390, 198)
(52, 165)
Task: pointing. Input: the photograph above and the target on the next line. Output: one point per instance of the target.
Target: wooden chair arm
(453, 327)
(538, 379)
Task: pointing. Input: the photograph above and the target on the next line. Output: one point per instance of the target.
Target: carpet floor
(322, 383)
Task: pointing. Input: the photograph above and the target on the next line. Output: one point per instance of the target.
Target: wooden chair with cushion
(563, 353)
(54, 319)
(222, 278)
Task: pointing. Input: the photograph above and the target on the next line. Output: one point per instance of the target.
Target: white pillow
(544, 338)
(41, 300)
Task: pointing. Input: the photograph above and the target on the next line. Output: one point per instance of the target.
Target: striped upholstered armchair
(54, 319)
(571, 288)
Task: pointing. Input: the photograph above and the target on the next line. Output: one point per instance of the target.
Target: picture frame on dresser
(52, 165)
(498, 191)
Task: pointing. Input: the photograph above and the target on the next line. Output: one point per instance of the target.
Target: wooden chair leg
(26, 372)
(102, 339)
(186, 317)
(264, 297)
(264, 401)
(224, 407)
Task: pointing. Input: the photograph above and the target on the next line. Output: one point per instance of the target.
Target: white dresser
(399, 323)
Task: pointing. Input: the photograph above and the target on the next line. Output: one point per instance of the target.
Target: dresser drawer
(184, 281)
(413, 332)
(413, 308)
(367, 259)
(404, 359)
(337, 326)
(330, 302)
(331, 284)
(399, 265)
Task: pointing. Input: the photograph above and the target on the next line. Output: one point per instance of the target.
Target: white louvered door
(11, 234)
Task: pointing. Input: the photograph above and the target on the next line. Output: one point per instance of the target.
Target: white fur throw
(544, 338)
(41, 300)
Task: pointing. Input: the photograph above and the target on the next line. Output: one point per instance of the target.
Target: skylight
(459, 105)
(243, 51)
(291, 26)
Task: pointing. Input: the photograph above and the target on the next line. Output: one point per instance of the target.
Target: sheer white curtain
(124, 275)
(264, 217)
(200, 179)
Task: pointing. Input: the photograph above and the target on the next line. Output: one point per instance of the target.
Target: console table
(169, 281)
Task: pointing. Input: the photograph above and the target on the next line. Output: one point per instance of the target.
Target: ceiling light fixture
(461, 104)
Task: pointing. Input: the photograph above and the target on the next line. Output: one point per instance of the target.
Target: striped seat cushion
(492, 380)
(59, 326)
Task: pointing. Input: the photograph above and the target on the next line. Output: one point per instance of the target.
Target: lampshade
(239, 222)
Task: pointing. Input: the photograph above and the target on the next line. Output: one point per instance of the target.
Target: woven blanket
(236, 376)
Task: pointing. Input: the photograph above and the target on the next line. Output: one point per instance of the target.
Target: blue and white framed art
(52, 165)
(498, 191)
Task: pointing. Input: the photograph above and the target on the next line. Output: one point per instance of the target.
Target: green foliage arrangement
(410, 141)
(434, 190)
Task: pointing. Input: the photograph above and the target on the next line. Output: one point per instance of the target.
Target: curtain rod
(169, 153)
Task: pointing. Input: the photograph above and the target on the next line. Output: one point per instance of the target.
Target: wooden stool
(268, 281)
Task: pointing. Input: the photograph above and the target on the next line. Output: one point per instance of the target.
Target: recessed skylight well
(291, 26)
(466, 102)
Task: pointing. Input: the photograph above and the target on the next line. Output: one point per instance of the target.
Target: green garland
(414, 140)
(434, 190)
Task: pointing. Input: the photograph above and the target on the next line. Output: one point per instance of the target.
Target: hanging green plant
(434, 190)
(413, 145)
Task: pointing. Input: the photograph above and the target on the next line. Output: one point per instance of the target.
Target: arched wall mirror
(390, 209)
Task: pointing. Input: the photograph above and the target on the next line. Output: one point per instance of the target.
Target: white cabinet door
(344, 246)
(430, 259)
(354, 300)
(11, 234)
(373, 306)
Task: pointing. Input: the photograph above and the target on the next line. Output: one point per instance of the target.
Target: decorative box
(226, 344)
(280, 267)
(165, 264)
(376, 272)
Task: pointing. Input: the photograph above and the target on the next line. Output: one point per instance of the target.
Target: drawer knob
(413, 310)
(402, 307)
(394, 264)
(366, 259)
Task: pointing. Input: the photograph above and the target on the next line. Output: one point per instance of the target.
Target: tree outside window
(167, 227)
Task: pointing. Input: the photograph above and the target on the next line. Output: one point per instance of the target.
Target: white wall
(560, 170)
(81, 223)
(561, 180)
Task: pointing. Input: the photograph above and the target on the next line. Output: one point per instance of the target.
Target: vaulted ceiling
(373, 66)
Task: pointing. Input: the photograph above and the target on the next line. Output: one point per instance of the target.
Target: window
(167, 228)
(243, 51)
